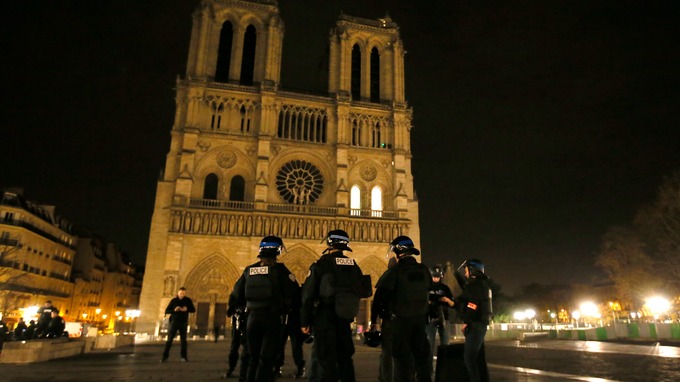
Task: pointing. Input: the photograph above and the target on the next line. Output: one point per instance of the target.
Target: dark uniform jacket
(403, 289)
(266, 287)
(55, 328)
(181, 302)
(45, 313)
(313, 294)
(438, 310)
(474, 304)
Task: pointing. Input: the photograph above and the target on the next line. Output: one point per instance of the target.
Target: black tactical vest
(262, 287)
(340, 287)
(412, 291)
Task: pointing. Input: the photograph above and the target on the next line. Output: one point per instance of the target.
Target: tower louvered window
(375, 75)
(356, 73)
(224, 53)
(248, 58)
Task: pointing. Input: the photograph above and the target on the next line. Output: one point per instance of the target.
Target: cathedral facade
(248, 159)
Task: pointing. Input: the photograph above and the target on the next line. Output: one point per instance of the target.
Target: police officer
(441, 299)
(55, 329)
(330, 302)
(404, 289)
(267, 287)
(474, 309)
(45, 316)
(380, 310)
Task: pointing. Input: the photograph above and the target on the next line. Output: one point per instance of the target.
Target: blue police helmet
(271, 246)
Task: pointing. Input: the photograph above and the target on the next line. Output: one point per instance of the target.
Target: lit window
(355, 200)
(376, 202)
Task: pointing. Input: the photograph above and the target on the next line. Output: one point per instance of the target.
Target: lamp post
(576, 315)
(116, 327)
(96, 317)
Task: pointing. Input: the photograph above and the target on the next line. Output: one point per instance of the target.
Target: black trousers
(410, 350)
(234, 347)
(334, 346)
(293, 331)
(264, 337)
(181, 327)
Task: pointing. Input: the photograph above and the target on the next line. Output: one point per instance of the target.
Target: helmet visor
(272, 247)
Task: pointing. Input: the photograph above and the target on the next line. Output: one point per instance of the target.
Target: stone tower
(248, 159)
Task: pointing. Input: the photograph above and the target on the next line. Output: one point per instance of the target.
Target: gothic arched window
(355, 200)
(375, 75)
(248, 58)
(375, 136)
(376, 202)
(356, 134)
(356, 72)
(245, 120)
(224, 53)
(210, 187)
(237, 188)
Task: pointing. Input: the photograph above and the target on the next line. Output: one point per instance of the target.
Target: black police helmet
(475, 266)
(403, 246)
(270, 246)
(437, 271)
(373, 338)
(338, 239)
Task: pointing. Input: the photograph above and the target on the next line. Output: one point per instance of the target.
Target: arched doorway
(209, 285)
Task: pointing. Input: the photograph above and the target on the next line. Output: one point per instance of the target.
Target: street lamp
(589, 310)
(576, 315)
(133, 314)
(657, 306)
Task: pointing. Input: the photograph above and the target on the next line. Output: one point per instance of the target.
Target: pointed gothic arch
(373, 266)
(298, 259)
(213, 278)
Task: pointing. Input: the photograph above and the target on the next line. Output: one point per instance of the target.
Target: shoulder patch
(344, 261)
(258, 271)
(291, 277)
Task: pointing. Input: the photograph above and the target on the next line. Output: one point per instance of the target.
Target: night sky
(537, 124)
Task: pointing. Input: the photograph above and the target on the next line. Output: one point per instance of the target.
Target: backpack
(342, 287)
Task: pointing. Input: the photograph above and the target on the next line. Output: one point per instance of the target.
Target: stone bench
(40, 350)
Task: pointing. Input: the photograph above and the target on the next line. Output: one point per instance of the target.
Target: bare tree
(10, 276)
(623, 257)
(659, 224)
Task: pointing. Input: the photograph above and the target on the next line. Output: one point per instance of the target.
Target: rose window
(299, 182)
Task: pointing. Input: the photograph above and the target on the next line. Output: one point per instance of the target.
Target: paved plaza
(508, 360)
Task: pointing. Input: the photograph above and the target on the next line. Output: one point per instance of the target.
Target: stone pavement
(207, 362)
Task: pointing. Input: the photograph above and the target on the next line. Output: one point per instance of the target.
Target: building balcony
(235, 218)
(10, 242)
(62, 260)
(38, 231)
